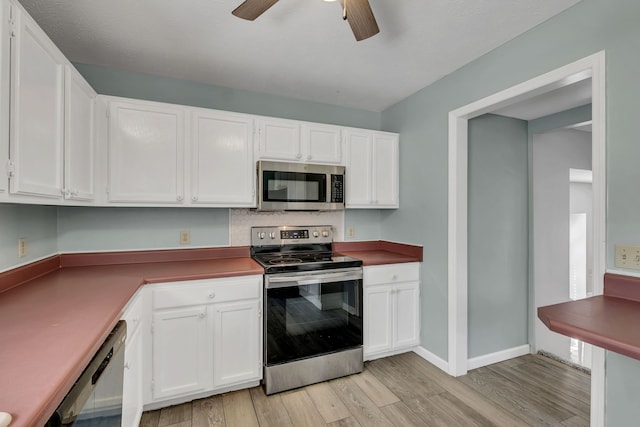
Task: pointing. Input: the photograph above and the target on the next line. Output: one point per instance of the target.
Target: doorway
(562, 217)
(591, 67)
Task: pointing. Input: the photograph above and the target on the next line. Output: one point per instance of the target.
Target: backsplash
(241, 221)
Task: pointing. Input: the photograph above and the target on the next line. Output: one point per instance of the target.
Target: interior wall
(82, 229)
(584, 29)
(497, 232)
(554, 153)
(36, 224)
(108, 81)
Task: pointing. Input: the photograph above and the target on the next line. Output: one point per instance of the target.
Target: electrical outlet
(185, 237)
(628, 257)
(351, 232)
(22, 248)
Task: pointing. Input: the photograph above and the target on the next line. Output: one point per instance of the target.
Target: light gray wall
(498, 226)
(108, 81)
(554, 153)
(36, 224)
(623, 389)
(108, 229)
(584, 29)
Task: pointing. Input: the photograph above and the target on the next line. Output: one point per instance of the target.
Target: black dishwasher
(96, 398)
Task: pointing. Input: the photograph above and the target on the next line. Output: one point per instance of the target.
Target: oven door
(312, 313)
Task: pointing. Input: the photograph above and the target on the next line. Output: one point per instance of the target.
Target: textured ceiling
(299, 48)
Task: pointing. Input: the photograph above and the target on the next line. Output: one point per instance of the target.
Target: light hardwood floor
(405, 390)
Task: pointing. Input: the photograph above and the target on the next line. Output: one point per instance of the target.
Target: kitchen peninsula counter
(608, 321)
(380, 252)
(53, 324)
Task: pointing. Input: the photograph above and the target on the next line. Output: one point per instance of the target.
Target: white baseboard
(498, 356)
(432, 358)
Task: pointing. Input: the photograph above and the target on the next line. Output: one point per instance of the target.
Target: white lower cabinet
(181, 352)
(391, 309)
(134, 354)
(236, 337)
(206, 336)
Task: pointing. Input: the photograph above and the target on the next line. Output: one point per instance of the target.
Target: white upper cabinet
(321, 143)
(146, 152)
(4, 96)
(279, 139)
(290, 140)
(371, 169)
(385, 170)
(37, 108)
(222, 167)
(79, 140)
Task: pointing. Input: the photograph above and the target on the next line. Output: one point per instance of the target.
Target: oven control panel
(286, 235)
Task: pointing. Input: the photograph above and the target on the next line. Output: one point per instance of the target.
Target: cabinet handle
(201, 315)
(127, 366)
(212, 295)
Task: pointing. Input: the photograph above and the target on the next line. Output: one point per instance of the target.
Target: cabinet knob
(179, 198)
(201, 315)
(194, 198)
(127, 366)
(309, 157)
(212, 295)
(394, 277)
(299, 156)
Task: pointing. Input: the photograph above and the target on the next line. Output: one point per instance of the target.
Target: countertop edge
(620, 300)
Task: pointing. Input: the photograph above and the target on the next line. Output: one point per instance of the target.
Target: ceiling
(564, 98)
(297, 49)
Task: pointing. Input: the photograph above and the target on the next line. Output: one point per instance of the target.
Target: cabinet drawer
(197, 292)
(391, 273)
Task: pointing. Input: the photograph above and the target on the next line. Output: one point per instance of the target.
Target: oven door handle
(311, 279)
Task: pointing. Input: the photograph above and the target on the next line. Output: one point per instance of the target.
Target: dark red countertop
(608, 321)
(52, 325)
(380, 252)
(55, 313)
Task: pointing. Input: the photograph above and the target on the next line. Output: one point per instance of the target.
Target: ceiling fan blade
(251, 9)
(361, 19)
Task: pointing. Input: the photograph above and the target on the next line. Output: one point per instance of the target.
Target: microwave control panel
(337, 188)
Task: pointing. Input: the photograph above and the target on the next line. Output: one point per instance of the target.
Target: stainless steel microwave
(286, 186)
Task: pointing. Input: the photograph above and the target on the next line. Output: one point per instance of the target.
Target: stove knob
(325, 233)
(272, 235)
(316, 234)
(262, 235)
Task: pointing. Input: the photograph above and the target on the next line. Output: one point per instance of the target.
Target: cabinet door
(146, 153)
(132, 381)
(181, 352)
(222, 167)
(322, 143)
(385, 170)
(5, 14)
(79, 136)
(377, 319)
(406, 315)
(358, 169)
(279, 140)
(37, 106)
(237, 346)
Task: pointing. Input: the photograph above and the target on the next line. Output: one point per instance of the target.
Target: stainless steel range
(312, 307)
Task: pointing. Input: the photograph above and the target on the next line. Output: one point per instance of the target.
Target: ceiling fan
(357, 12)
